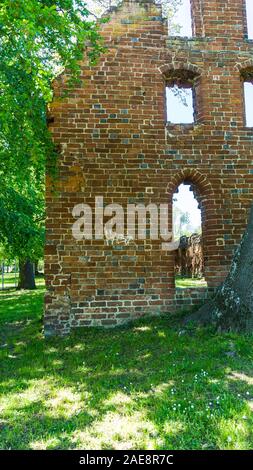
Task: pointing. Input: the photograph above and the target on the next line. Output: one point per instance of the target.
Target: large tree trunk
(26, 275)
(232, 305)
(36, 268)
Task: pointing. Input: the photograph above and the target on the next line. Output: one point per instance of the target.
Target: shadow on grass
(139, 387)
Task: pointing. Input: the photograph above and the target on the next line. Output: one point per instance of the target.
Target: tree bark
(36, 270)
(231, 308)
(26, 275)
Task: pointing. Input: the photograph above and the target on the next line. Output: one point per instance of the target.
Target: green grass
(9, 280)
(187, 283)
(145, 386)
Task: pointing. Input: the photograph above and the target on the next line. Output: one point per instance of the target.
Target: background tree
(38, 39)
(22, 231)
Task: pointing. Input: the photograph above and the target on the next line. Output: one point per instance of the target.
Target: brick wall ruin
(115, 142)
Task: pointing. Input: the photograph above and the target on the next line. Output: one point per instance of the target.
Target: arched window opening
(179, 18)
(249, 13)
(187, 226)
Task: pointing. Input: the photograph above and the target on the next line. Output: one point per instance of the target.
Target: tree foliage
(22, 227)
(37, 40)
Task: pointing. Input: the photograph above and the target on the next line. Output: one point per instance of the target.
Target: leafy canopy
(38, 39)
(22, 228)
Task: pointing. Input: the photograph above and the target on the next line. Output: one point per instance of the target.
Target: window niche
(249, 18)
(180, 19)
(179, 105)
(181, 97)
(247, 79)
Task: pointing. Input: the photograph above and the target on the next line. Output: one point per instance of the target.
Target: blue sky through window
(182, 18)
(179, 110)
(248, 98)
(185, 202)
(249, 7)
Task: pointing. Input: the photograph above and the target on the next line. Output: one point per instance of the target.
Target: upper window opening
(179, 104)
(249, 10)
(248, 99)
(179, 19)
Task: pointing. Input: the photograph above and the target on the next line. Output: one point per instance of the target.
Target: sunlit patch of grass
(242, 377)
(42, 444)
(64, 402)
(8, 279)
(118, 430)
(234, 433)
(19, 305)
(144, 386)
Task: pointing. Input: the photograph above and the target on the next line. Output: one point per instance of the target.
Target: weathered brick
(114, 142)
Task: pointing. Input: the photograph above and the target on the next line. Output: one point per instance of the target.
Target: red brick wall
(114, 142)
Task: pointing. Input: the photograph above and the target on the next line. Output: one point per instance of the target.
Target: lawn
(150, 385)
(8, 279)
(11, 280)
